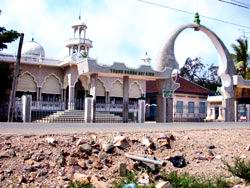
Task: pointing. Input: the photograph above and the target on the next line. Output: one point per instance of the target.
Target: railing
(103, 107)
(48, 105)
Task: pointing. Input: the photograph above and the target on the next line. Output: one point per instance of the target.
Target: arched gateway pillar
(226, 71)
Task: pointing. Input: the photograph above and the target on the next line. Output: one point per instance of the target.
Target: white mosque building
(63, 84)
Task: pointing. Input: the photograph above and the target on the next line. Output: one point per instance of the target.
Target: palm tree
(240, 56)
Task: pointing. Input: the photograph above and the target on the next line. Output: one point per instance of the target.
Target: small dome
(33, 48)
(79, 23)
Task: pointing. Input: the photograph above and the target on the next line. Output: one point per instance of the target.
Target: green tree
(7, 37)
(205, 76)
(241, 56)
(5, 71)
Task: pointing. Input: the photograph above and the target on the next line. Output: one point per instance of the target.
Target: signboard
(167, 93)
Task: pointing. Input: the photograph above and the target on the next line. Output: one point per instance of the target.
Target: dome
(33, 48)
(79, 23)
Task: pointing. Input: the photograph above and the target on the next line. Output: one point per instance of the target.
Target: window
(179, 107)
(190, 107)
(202, 107)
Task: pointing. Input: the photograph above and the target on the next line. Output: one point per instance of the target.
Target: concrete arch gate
(226, 71)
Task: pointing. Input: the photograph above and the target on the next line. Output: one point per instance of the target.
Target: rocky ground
(54, 160)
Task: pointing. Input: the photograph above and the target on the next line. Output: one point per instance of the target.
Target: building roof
(186, 87)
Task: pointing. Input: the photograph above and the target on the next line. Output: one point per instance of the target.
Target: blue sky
(123, 30)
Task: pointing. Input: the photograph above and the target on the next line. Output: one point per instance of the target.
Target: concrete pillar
(125, 98)
(26, 108)
(222, 114)
(93, 80)
(107, 101)
(88, 112)
(229, 111)
(235, 110)
(248, 112)
(169, 109)
(107, 98)
(38, 94)
(71, 102)
(161, 102)
(141, 111)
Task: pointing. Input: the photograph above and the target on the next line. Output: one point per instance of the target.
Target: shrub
(240, 168)
(187, 181)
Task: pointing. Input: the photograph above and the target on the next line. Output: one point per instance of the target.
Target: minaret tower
(79, 44)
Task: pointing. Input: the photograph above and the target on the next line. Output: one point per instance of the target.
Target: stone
(28, 168)
(108, 147)
(42, 172)
(178, 161)
(218, 157)
(243, 156)
(51, 141)
(81, 178)
(97, 165)
(71, 161)
(147, 142)
(248, 148)
(123, 170)
(121, 142)
(22, 179)
(27, 156)
(237, 186)
(86, 148)
(12, 152)
(163, 184)
(4, 154)
(211, 146)
(29, 162)
(80, 141)
(97, 183)
(61, 161)
(143, 179)
(38, 157)
(82, 164)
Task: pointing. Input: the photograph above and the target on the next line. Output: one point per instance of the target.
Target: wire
(187, 12)
(241, 3)
(236, 4)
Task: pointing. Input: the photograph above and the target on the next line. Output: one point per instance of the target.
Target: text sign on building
(167, 93)
(132, 72)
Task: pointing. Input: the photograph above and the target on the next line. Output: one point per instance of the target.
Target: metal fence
(189, 114)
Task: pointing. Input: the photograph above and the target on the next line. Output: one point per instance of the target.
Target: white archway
(51, 85)
(26, 83)
(116, 89)
(226, 71)
(135, 90)
(226, 65)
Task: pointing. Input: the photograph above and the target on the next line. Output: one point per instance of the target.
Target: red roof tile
(186, 86)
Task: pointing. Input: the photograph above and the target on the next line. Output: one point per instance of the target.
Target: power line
(235, 4)
(239, 2)
(187, 12)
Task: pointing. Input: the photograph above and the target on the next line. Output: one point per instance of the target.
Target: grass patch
(240, 168)
(78, 184)
(187, 181)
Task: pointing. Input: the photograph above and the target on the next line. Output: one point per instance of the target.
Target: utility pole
(12, 101)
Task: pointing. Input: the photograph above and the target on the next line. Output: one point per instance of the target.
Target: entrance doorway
(79, 96)
(216, 112)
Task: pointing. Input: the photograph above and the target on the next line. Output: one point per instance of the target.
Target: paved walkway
(71, 128)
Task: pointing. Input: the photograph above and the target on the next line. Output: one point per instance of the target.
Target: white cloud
(121, 30)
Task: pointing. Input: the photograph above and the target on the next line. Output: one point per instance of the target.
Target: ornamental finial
(197, 18)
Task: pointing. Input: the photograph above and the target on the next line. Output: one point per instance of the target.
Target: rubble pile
(100, 159)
